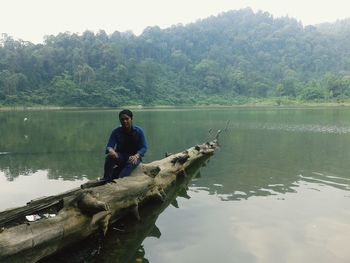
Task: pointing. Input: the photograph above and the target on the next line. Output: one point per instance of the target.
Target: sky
(31, 20)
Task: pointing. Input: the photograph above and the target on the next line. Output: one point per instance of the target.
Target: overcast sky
(31, 20)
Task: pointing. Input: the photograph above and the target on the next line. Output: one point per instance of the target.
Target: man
(125, 148)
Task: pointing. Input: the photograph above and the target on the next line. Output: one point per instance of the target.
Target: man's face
(125, 121)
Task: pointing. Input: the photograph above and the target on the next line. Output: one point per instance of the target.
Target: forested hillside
(223, 60)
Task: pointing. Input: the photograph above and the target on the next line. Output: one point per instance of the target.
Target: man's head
(125, 118)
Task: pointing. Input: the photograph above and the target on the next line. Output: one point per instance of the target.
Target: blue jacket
(128, 142)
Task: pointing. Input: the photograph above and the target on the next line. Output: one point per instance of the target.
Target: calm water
(276, 191)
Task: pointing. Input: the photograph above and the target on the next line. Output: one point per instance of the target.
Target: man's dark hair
(126, 112)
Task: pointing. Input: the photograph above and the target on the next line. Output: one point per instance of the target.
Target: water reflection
(66, 144)
(68, 165)
(316, 128)
(321, 179)
(28, 187)
(272, 186)
(277, 189)
(263, 153)
(265, 159)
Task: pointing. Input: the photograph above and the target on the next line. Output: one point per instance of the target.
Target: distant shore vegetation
(236, 58)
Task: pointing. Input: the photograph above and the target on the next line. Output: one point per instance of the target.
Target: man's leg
(108, 168)
(128, 168)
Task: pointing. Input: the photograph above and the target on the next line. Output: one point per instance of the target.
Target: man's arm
(143, 147)
(111, 145)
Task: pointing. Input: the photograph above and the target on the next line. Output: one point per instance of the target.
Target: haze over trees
(224, 59)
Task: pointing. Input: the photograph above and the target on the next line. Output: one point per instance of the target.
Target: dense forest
(227, 59)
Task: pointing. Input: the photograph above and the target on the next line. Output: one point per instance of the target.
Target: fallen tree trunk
(123, 242)
(90, 209)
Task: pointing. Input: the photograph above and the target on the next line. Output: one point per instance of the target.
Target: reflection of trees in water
(266, 163)
(65, 165)
(68, 145)
(123, 242)
(247, 184)
(250, 181)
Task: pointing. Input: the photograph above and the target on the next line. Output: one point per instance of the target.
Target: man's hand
(133, 158)
(113, 154)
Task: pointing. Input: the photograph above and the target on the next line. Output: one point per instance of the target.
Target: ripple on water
(329, 180)
(330, 129)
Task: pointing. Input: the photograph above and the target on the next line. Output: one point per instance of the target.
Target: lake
(277, 190)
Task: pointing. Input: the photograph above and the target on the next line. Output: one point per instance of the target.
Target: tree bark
(93, 207)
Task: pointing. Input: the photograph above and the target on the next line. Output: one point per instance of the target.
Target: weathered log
(93, 208)
(123, 241)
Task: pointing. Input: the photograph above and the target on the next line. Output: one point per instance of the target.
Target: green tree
(64, 91)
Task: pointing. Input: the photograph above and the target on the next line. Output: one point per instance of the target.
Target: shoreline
(165, 107)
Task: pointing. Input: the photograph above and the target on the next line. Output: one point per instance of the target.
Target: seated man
(125, 148)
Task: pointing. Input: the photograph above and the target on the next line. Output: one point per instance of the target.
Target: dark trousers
(118, 168)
